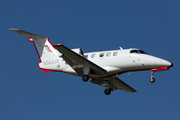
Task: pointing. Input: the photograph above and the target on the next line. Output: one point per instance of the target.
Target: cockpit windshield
(138, 51)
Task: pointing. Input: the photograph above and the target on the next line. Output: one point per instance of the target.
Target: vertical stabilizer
(48, 55)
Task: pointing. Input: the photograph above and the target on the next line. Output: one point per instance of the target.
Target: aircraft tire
(85, 78)
(152, 80)
(107, 91)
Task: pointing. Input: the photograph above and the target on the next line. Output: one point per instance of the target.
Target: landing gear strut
(152, 80)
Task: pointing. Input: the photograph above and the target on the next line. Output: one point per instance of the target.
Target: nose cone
(171, 65)
(164, 63)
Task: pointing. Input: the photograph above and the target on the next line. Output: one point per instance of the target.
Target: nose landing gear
(152, 80)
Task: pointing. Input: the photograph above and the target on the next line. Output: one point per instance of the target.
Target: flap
(98, 82)
(117, 84)
(121, 85)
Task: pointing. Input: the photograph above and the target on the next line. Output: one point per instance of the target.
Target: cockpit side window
(134, 51)
(142, 52)
(138, 51)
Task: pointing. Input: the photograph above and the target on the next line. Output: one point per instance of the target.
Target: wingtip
(133, 91)
(13, 29)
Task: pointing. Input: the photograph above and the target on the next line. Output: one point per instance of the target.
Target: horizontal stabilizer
(27, 34)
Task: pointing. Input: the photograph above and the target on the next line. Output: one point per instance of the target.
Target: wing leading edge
(77, 61)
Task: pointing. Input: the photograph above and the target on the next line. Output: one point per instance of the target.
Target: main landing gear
(107, 84)
(85, 78)
(110, 87)
(107, 91)
(152, 80)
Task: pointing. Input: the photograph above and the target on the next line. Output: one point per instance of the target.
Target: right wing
(78, 62)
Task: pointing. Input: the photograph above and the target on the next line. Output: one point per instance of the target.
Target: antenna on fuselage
(121, 48)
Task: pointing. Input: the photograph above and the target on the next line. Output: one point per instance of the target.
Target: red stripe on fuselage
(49, 49)
(158, 69)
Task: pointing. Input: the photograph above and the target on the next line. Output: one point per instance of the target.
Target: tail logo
(47, 48)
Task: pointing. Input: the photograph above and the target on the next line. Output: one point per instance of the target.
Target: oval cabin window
(93, 56)
(108, 54)
(115, 53)
(101, 55)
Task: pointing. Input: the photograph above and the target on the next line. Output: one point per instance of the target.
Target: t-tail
(48, 55)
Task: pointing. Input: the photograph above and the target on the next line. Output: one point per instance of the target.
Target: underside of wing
(122, 85)
(114, 83)
(78, 70)
(79, 62)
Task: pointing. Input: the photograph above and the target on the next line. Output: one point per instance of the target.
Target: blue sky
(27, 93)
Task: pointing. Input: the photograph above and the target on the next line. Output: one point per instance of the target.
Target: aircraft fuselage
(103, 67)
(116, 62)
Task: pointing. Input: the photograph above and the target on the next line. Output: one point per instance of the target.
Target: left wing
(116, 84)
(78, 62)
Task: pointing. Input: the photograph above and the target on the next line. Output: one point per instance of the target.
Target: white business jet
(102, 67)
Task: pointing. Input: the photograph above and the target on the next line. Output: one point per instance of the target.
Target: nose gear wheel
(152, 80)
